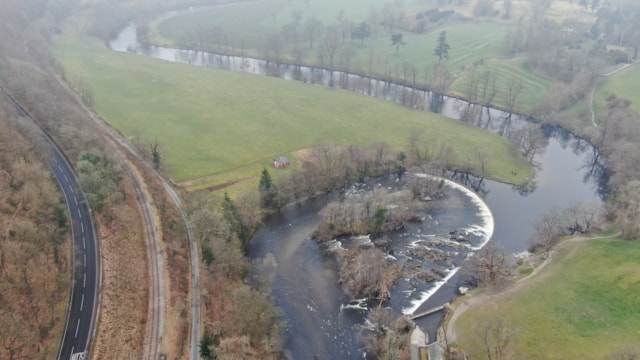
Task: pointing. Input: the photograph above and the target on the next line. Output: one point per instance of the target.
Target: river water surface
(321, 321)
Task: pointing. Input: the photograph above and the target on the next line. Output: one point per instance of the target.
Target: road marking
(75, 199)
(77, 328)
(85, 259)
(82, 302)
(84, 243)
(66, 178)
(55, 160)
(72, 349)
(60, 167)
(84, 280)
(79, 214)
(82, 227)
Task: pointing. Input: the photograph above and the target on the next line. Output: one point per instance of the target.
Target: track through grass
(623, 84)
(585, 305)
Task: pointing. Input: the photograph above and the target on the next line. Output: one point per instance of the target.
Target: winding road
(157, 301)
(80, 323)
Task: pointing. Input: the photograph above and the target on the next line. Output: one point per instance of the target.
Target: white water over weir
(483, 230)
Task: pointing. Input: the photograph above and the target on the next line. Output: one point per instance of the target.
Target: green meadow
(255, 18)
(211, 123)
(584, 305)
(473, 43)
(623, 84)
(505, 71)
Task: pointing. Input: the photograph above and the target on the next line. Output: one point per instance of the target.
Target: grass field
(585, 305)
(506, 70)
(252, 19)
(471, 42)
(623, 84)
(213, 123)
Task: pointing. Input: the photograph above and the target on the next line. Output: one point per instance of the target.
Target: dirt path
(595, 86)
(521, 284)
(157, 298)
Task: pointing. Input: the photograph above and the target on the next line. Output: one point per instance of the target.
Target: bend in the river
(570, 170)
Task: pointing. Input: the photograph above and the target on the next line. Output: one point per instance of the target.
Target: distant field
(507, 70)
(585, 305)
(212, 123)
(471, 42)
(253, 18)
(623, 84)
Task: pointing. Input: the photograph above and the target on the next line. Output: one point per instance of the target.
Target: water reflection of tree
(479, 185)
(595, 171)
(505, 126)
(531, 141)
(437, 103)
(563, 136)
(471, 113)
(527, 188)
(476, 183)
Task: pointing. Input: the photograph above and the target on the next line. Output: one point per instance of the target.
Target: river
(321, 321)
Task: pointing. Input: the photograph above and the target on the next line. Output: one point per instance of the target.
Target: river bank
(574, 302)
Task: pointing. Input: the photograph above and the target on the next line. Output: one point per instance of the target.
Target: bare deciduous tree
(514, 90)
(495, 337)
(366, 273)
(313, 29)
(627, 208)
(330, 44)
(530, 140)
(584, 216)
(388, 338)
(490, 263)
(549, 229)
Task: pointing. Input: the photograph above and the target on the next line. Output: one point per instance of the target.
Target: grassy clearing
(582, 306)
(246, 18)
(253, 19)
(623, 84)
(507, 70)
(210, 122)
(469, 43)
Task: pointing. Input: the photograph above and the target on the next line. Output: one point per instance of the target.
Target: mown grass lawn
(210, 121)
(585, 305)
